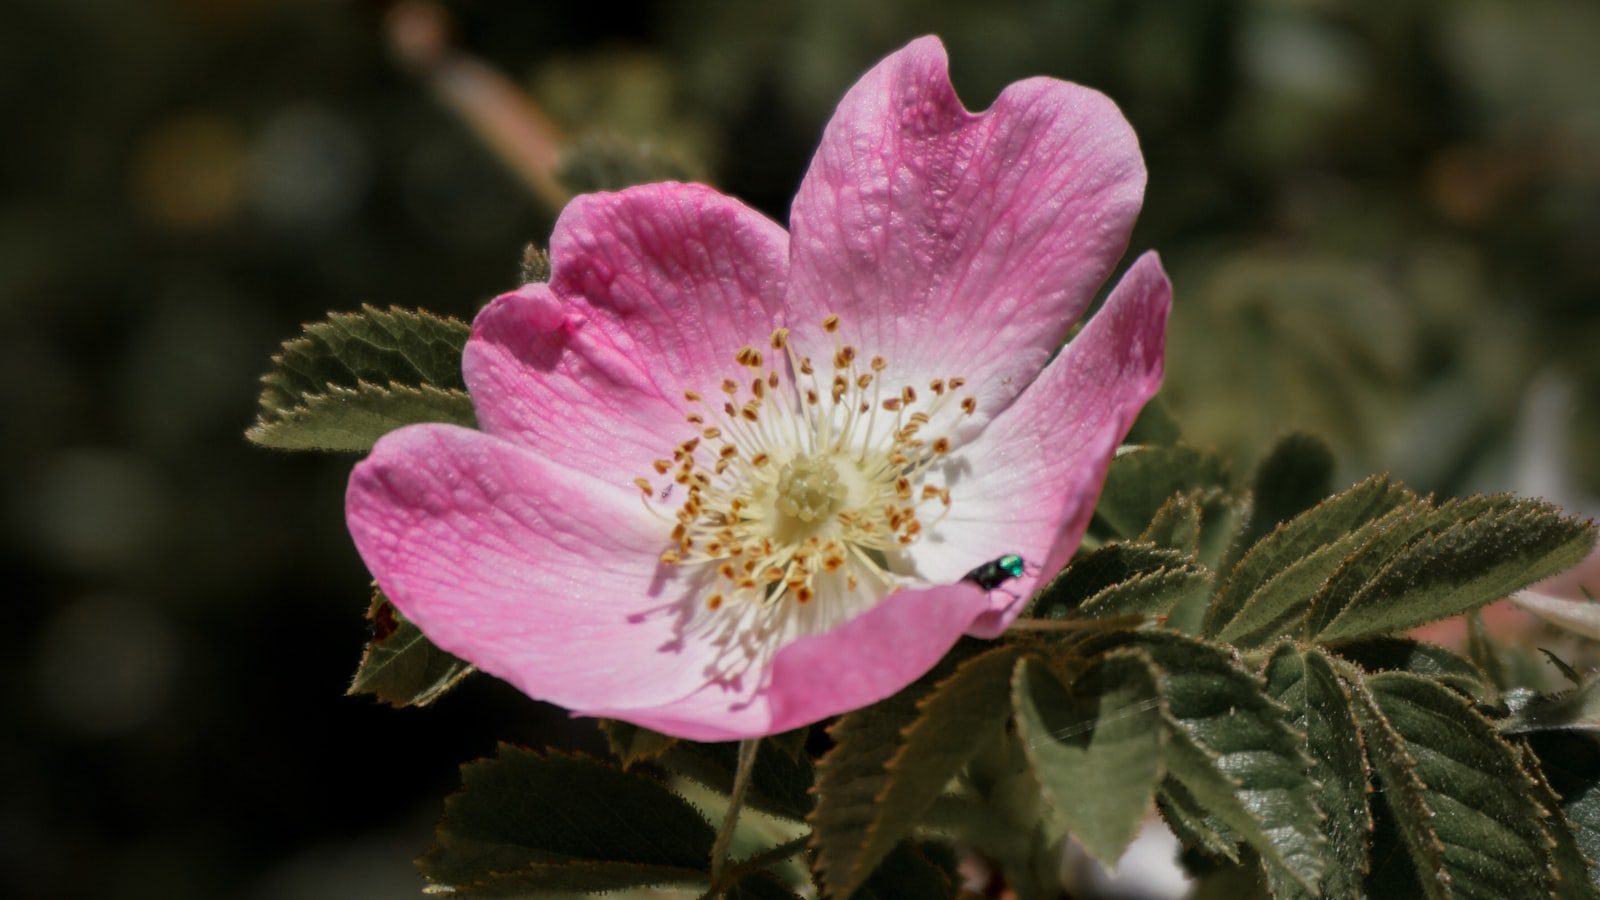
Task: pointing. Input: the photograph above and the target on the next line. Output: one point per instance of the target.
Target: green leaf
(400, 666)
(1106, 567)
(535, 265)
(1379, 548)
(1154, 425)
(1564, 667)
(1193, 824)
(1574, 710)
(779, 783)
(1572, 866)
(1321, 710)
(889, 763)
(759, 886)
(1151, 594)
(633, 744)
(1465, 566)
(908, 873)
(1234, 751)
(1176, 525)
(1105, 731)
(1238, 803)
(352, 419)
(1222, 515)
(1142, 478)
(1271, 587)
(376, 346)
(1393, 654)
(379, 368)
(528, 822)
(1570, 763)
(1296, 475)
(1464, 808)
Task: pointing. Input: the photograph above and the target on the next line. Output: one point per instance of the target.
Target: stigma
(803, 485)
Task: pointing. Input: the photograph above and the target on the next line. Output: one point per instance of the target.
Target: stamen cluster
(800, 485)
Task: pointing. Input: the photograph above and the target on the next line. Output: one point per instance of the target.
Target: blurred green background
(1382, 219)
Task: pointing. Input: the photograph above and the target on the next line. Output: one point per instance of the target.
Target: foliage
(353, 377)
(1230, 654)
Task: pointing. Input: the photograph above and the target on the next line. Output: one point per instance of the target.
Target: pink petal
(961, 244)
(1037, 469)
(872, 656)
(543, 576)
(653, 289)
(862, 661)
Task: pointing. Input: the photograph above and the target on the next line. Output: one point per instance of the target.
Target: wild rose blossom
(730, 478)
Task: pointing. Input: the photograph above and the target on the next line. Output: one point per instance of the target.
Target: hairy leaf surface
(1105, 731)
(1321, 710)
(400, 666)
(525, 820)
(1462, 567)
(1465, 811)
(890, 762)
(1232, 748)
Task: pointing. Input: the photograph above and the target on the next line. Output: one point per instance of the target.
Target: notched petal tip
(532, 307)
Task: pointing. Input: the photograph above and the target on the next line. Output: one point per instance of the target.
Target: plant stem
(741, 783)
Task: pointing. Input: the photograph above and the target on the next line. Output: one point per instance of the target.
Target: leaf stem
(741, 784)
(758, 862)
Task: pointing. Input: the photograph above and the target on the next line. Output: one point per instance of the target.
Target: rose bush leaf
(1234, 752)
(1296, 475)
(1465, 811)
(1272, 584)
(525, 820)
(1106, 730)
(1151, 594)
(377, 346)
(891, 761)
(759, 886)
(633, 744)
(1176, 525)
(1321, 710)
(779, 783)
(1577, 709)
(400, 666)
(1380, 546)
(376, 367)
(1570, 764)
(1572, 866)
(909, 873)
(1103, 568)
(352, 419)
(1395, 654)
(1142, 478)
(1461, 567)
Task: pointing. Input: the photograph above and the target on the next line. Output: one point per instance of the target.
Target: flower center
(802, 490)
(809, 489)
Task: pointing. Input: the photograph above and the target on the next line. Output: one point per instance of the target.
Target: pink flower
(730, 478)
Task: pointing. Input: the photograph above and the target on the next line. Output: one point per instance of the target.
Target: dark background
(1382, 219)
